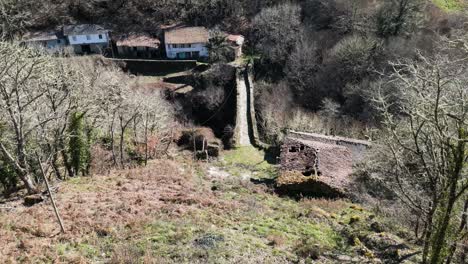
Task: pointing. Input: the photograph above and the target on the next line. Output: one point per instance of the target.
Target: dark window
(100, 36)
(58, 41)
(292, 149)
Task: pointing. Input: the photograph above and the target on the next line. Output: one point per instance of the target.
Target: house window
(188, 45)
(74, 38)
(88, 37)
(58, 41)
(100, 36)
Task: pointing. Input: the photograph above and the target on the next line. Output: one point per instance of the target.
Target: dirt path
(242, 112)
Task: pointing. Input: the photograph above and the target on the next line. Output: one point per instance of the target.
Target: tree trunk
(146, 140)
(66, 163)
(441, 234)
(21, 171)
(114, 158)
(121, 143)
(463, 223)
(427, 234)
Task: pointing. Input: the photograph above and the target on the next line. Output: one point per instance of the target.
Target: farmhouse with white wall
(186, 42)
(87, 38)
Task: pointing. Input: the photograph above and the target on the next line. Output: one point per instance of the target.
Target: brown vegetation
(101, 206)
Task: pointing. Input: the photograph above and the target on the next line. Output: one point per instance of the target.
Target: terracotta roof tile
(139, 41)
(186, 35)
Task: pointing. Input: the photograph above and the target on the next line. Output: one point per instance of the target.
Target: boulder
(384, 241)
(33, 199)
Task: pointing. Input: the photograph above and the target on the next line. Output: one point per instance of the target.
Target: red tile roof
(139, 41)
(186, 35)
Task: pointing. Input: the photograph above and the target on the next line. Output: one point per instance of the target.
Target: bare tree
(14, 17)
(25, 80)
(425, 153)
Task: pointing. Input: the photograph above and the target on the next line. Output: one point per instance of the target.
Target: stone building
(138, 46)
(318, 165)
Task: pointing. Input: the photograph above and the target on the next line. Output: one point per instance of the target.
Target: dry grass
(98, 206)
(169, 212)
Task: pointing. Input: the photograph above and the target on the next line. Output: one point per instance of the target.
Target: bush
(79, 147)
(199, 136)
(355, 53)
(301, 71)
(275, 31)
(319, 14)
(397, 17)
(8, 178)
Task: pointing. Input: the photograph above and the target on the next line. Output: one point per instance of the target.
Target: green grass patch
(249, 160)
(450, 5)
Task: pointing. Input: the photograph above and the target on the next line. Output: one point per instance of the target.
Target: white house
(87, 38)
(49, 40)
(186, 42)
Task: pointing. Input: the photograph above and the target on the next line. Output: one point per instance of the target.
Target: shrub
(79, 144)
(354, 53)
(308, 249)
(397, 17)
(274, 32)
(8, 178)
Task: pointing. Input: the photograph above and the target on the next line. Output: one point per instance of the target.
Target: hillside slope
(184, 212)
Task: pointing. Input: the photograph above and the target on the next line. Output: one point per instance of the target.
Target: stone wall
(357, 147)
(318, 168)
(245, 75)
(154, 67)
(297, 156)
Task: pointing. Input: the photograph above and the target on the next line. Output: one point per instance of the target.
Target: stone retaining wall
(154, 67)
(357, 147)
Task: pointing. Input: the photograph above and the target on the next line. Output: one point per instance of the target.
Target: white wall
(200, 47)
(82, 39)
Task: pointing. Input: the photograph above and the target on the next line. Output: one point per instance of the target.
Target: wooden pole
(62, 229)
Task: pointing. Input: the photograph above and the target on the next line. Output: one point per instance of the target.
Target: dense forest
(393, 72)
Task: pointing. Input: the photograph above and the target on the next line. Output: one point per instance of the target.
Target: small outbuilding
(138, 46)
(51, 40)
(314, 168)
(236, 41)
(318, 165)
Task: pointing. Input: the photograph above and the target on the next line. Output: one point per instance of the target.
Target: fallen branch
(62, 229)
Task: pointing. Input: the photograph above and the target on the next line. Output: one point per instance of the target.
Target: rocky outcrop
(33, 199)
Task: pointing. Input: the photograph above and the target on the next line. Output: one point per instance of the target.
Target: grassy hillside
(185, 212)
(450, 5)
